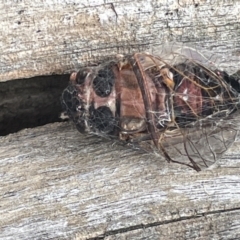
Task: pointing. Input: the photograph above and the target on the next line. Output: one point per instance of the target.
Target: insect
(174, 102)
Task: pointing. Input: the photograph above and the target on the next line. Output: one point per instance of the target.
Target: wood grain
(56, 37)
(56, 183)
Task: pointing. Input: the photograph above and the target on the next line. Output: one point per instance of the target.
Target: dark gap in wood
(28, 103)
(155, 224)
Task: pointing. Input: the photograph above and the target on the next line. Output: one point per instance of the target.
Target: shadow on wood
(30, 102)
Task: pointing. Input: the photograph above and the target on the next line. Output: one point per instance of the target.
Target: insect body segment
(180, 109)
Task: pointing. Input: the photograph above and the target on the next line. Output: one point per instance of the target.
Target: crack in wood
(154, 224)
(30, 102)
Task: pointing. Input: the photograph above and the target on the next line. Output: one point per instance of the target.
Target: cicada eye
(104, 81)
(81, 76)
(102, 119)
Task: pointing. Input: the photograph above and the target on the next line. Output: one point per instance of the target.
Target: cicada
(176, 102)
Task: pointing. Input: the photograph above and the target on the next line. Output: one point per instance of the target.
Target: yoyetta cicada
(175, 101)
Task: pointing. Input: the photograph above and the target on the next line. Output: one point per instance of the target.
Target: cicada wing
(173, 53)
(165, 98)
(198, 147)
(176, 53)
(186, 106)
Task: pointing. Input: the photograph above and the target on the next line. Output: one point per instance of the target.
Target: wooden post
(58, 184)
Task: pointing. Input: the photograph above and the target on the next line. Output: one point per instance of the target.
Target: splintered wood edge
(58, 183)
(45, 38)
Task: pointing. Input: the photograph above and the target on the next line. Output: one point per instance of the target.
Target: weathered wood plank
(42, 38)
(57, 183)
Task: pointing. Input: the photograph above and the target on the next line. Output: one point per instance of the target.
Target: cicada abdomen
(174, 103)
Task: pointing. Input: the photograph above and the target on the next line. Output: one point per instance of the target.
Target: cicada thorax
(135, 111)
(131, 110)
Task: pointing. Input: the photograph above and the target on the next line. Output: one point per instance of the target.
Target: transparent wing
(199, 147)
(175, 53)
(193, 126)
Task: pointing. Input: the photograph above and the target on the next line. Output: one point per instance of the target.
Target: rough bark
(58, 184)
(42, 38)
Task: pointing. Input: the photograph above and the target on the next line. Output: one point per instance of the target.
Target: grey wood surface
(56, 37)
(58, 184)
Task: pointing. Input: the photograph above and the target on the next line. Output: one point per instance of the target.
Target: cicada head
(89, 100)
